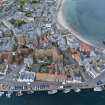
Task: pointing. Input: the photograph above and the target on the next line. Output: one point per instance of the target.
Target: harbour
(86, 97)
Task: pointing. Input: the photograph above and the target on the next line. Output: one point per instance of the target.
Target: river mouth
(87, 18)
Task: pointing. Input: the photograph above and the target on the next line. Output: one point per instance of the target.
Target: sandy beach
(62, 25)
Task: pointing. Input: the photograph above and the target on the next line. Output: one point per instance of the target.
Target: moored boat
(19, 93)
(77, 90)
(66, 90)
(98, 89)
(1, 93)
(52, 92)
(30, 92)
(9, 94)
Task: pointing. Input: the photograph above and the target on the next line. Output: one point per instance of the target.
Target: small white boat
(66, 90)
(30, 92)
(52, 92)
(1, 93)
(63, 83)
(98, 89)
(61, 87)
(9, 94)
(77, 90)
(19, 93)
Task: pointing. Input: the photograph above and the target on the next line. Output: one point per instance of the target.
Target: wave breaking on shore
(62, 24)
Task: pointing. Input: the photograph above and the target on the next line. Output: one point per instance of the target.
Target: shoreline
(62, 24)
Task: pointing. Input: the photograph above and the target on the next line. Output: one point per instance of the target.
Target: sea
(88, 18)
(85, 97)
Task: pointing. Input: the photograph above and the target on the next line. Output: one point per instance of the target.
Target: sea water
(85, 97)
(88, 18)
